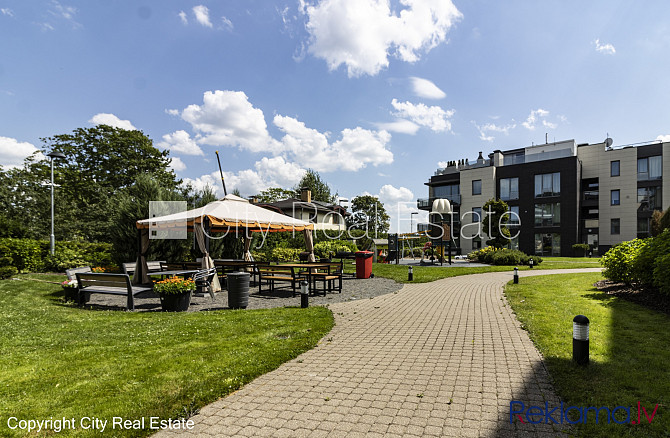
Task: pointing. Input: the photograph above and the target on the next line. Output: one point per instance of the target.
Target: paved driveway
(433, 359)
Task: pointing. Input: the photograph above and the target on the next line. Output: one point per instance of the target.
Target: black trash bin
(238, 290)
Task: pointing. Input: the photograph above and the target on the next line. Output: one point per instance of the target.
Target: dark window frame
(618, 168)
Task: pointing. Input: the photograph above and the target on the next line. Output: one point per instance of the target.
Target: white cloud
(487, 128)
(182, 16)
(13, 152)
(433, 117)
(267, 172)
(399, 125)
(201, 13)
(7, 11)
(664, 138)
(227, 24)
(227, 118)
(180, 141)
(363, 33)
(607, 49)
(112, 120)
(426, 89)
(177, 164)
(172, 112)
(311, 148)
(400, 203)
(62, 12)
(533, 117)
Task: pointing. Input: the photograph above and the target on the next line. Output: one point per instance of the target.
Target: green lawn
(424, 274)
(629, 350)
(57, 360)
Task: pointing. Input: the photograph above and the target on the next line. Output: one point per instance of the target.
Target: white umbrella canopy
(230, 212)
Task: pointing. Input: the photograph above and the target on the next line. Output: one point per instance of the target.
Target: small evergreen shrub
(503, 257)
(619, 261)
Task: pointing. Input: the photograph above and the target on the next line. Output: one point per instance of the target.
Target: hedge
(30, 255)
(503, 257)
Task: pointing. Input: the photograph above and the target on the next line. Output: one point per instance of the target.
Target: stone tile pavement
(433, 359)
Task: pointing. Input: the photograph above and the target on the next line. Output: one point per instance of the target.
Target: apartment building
(559, 194)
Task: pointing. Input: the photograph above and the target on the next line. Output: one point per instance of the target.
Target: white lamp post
(53, 155)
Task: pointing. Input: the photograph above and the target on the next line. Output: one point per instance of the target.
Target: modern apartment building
(559, 194)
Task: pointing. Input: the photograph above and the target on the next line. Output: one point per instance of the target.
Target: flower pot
(176, 302)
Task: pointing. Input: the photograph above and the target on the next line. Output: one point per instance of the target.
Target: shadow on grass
(630, 357)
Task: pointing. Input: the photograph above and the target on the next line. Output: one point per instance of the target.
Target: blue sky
(373, 94)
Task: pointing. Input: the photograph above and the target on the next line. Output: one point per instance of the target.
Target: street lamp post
(53, 155)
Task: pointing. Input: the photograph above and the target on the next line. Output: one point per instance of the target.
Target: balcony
(427, 203)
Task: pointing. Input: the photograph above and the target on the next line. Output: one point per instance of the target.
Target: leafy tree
(320, 189)
(655, 227)
(99, 163)
(665, 220)
(369, 214)
(274, 194)
(499, 234)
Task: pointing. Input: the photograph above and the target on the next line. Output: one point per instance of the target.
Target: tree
(655, 227)
(369, 214)
(496, 218)
(320, 190)
(665, 220)
(99, 163)
(274, 194)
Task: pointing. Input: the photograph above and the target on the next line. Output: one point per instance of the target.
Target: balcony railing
(427, 203)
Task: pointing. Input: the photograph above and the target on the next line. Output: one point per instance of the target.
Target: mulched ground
(352, 289)
(644, 296)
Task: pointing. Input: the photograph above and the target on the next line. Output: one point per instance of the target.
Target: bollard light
(530, 263)
(304, 294)
(516, 275)
(580, 339)
(410, 274)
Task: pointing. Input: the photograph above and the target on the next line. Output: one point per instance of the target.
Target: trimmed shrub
(503, 257)
(284, 254)
(662, 274)
(580, 249)
(6, 268)
(329, 248)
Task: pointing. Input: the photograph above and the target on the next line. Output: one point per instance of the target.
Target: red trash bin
(363, 264)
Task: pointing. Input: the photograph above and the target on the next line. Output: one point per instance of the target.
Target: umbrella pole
(221, 172)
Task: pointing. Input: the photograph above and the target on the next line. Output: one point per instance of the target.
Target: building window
(649, 198)
(548, 184)
(615, 197)
(450, 192)
(649, 168)
(548, 215)
(615, 226)
(477, 214)
(548, 244)
(514, 218)
(509, 188)
(477, 187)
(615, 168)
(477, 243)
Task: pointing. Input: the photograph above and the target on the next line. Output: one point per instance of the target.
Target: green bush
(33, 255)
(580, 249)
(503, 257)
(619, 261)
(6, 268)
(649, 254)
(328, 248)
(662, 273)
(7, 272)
(284, 254)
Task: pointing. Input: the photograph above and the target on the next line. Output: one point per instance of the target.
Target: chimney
(480, 158)
(497, 158)
(305, 194)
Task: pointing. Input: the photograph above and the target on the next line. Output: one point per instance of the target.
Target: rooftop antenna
(221, 172)
(546, 138)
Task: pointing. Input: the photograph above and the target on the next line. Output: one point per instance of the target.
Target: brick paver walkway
(434, 359)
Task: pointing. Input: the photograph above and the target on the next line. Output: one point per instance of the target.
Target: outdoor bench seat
(272, 273)
(114, 284)
(129, 268)
(328, 276)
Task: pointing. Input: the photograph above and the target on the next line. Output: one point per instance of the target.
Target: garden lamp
(53, 155)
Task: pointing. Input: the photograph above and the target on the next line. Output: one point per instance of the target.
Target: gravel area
(352, 289)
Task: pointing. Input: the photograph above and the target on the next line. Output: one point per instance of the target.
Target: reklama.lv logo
(536, 415)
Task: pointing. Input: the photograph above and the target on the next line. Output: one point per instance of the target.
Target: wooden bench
(129, 268)
(272, 273)
(72, 273)
(333, 272)
(114, 284)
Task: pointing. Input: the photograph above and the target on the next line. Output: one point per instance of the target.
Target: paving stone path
(433, 359)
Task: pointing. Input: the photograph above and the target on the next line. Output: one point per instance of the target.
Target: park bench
(273, 273)
(72, 273)
(101, 283)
